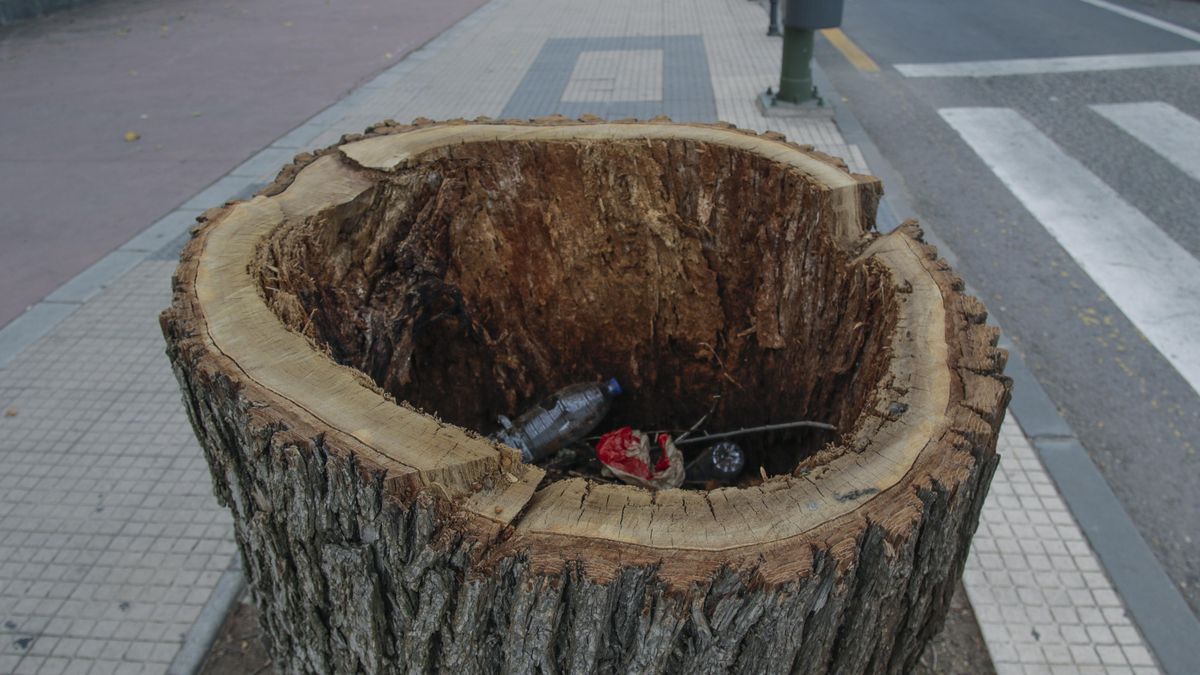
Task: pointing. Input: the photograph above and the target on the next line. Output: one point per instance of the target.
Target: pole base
(814, 107)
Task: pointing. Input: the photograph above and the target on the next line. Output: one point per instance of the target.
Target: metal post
(797, 95)
(773, 27)
(795, 78)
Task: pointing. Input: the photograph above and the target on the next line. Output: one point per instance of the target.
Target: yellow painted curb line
(855, 55)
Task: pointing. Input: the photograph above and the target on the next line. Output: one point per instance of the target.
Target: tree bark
(378, 538)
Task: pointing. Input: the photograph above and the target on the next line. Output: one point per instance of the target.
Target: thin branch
(756, 430)
(711, 410)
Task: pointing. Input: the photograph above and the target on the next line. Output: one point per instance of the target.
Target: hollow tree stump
(465, 270)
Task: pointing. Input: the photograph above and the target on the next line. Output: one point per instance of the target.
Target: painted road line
(1145, 18)
(1059, 64)
(853, 53)
(1164, 128)
(1149, 277)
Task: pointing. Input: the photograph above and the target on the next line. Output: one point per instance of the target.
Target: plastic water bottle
(561, 419)
(721, 461)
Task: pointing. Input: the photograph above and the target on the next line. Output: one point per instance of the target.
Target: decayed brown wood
(378, 538)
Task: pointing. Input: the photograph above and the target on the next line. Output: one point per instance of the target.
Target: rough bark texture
(371, 553)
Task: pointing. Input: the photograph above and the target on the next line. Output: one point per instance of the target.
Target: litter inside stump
(553, 434)
(625, 453)
(722, 461)
(559, 420)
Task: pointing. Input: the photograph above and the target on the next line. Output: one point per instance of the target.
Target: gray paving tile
(265, 165)
(28, 328)
(109, 524)
(166, 229)
(1036, 586)
(301, 137)
(228, 188)
(684, 83)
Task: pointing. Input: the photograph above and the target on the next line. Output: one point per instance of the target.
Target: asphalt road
(205, 83)
(1023, 178)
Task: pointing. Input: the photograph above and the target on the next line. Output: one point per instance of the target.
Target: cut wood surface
(380, 532)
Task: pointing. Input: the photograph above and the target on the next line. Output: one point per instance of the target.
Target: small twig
(308, 322)
(711, 410)
(755, 430)
(693, 427)
(721, 363)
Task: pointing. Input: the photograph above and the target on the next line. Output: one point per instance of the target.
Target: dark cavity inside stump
(479, 281)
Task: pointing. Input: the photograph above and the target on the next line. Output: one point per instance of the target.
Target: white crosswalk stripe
(1055, 64)
(1146, 19)
(1151, 278)
(1164, 128)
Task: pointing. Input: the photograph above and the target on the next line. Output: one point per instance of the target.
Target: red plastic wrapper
(626, 453)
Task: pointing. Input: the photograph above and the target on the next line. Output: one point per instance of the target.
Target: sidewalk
(111, 544)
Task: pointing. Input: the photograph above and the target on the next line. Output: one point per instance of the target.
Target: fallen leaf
(131, 136)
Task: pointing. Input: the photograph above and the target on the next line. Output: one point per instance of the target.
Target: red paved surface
(206, 84)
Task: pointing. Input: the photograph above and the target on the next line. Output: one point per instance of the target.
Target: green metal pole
(795, 78)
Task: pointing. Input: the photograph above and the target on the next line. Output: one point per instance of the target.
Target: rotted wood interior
(479, 278)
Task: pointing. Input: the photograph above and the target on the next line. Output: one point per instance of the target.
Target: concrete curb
(203, 633)
(1160, 612)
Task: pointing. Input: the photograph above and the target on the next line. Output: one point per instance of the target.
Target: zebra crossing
(1152, 279)
(1170, 132)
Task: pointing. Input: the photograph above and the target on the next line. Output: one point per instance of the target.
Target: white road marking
(1153, 280)
(1164, 128)
(1145, 18)
(1058, 64)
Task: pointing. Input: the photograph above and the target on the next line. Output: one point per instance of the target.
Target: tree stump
(344, 340)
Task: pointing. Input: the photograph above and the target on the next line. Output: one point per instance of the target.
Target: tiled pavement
(110, 540)
(1043, 602)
